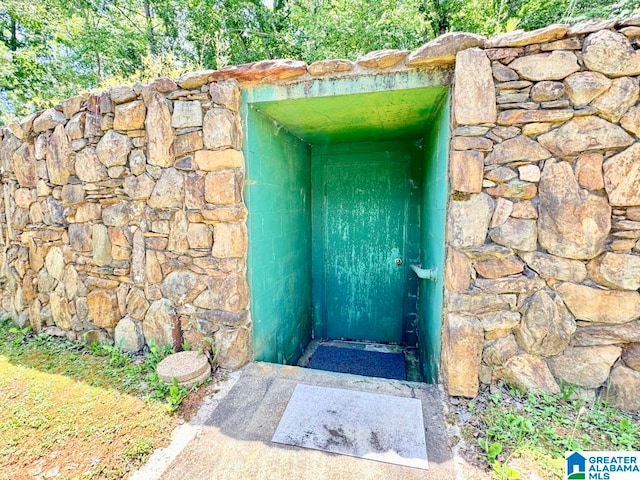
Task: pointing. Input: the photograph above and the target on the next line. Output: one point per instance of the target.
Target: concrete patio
(230, 438)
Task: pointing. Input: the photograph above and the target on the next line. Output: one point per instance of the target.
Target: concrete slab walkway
(232, 439)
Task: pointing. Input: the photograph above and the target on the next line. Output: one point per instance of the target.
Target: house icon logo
(576, 466)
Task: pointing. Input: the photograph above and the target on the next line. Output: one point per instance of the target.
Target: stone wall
(124, 218)
(543, 264)
(122, 211)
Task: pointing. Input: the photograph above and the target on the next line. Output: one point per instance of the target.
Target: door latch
(398, 261)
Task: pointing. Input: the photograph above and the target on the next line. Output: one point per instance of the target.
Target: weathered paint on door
(365, 209)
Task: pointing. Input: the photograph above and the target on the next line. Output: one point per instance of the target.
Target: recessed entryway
(346, 189)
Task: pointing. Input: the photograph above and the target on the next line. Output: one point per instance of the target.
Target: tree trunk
(150, 35)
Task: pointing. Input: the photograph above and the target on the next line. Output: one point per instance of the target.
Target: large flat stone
(324, 67)
(516, 116)
(272, 70)
(382, 58)
(520, 38)
(193, 80)
(600, 306)
(586, 367)
(573, 222)
(584, 134)
(516, 189)
(554, 65)
(496, 268)
(619, 271)
(624, 389)
(601, 334)
(516, 233)
(551, 266)
(474, 95)
(621, 95)
(582, 87)
(520, 148)
(514, 284)
(480, 303)
(160, 150)
(463, 344)
(443, 49)
(622, 177)
(469, 220)
(466, 168)
(528, 373)
(59, 160)
(610, 53)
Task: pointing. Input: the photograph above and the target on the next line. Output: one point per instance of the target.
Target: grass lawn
(68, 411)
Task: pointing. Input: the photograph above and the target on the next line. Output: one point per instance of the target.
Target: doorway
(362, 213)
(336, 179)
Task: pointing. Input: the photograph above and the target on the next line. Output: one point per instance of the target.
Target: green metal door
(365, 208)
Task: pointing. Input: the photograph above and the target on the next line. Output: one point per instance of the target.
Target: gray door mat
(377, 427)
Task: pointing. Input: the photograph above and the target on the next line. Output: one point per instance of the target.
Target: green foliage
(540, 428)
(175, 395)
(138, 449)
(540, 13)
(566, 390)
(488, 17)
(119, 370)
(53, 49)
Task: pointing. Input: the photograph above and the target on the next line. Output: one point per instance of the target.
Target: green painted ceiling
(388, 115)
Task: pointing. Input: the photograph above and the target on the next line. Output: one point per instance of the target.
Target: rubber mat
(377, 427)
(359, 362)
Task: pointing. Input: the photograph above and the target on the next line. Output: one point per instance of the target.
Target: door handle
(398, 261)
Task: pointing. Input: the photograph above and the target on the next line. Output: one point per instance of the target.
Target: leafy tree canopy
(51, 49)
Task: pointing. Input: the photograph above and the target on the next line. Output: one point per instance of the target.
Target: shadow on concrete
(234, 440)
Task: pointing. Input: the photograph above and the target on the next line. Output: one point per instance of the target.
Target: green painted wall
(434, 204)
(278, 194)
(278, 197)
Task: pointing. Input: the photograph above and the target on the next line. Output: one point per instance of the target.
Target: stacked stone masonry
(123, 216)
(543, 264)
